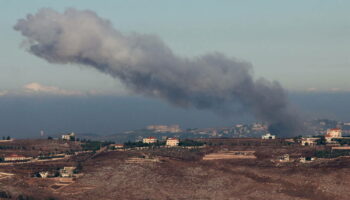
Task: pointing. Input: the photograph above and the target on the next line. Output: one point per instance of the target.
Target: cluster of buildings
(165, 128)
(286, 159)
(331, 134)
(236, 131)
(69, 136)
(171, 142)
(65, 172)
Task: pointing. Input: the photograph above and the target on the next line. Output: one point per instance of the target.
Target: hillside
(245, 169)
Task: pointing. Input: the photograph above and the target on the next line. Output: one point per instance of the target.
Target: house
(149, 140)
(69, 136)
(284, 158)
(172, 142)
(16, 158)
(333, 133)
(67, 171)
(268, 136)
(309, 141)
(289, 140)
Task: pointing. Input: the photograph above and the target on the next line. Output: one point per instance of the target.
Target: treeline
(141, 144)
(331, 154)
(342, 141)
(94, 145)
(189, 142)
(12, 147)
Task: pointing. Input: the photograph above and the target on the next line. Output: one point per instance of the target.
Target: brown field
(230, 155)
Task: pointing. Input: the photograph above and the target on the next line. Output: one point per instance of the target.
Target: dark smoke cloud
(148, 67)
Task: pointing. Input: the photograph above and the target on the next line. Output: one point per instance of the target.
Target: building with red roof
(333, 133)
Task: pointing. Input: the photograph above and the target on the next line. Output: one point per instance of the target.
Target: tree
(321, 141)
(79, 168)
(72, 138)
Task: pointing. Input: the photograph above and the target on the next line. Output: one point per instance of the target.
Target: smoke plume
(149, 67)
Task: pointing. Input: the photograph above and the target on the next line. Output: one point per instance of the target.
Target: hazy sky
(302, 44)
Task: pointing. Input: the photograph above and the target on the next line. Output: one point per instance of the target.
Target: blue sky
(302, 44)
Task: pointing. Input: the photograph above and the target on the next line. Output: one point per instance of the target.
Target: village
(331, 142)
(60, 164)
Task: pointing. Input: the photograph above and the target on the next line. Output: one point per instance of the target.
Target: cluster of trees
(188, 142)
(331, 154)
(94, 145)
(12, 147)
(342, 141)
(141, 144)
(43, 157)
(321, 141)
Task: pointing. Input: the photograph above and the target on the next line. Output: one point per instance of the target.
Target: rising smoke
(148, 67)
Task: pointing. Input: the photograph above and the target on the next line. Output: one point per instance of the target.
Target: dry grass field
(183, 174)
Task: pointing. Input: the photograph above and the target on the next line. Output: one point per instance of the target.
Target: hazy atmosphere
(174, 100)
(164, 64)
(27, 116)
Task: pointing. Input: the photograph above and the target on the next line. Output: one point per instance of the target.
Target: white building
(44, 174)
(333, 133)
(15, 157)
(67, 171)
(172, 142)
(268, 136)
(149, 140)
(284, 158)
(309, 141)
(69, 136)
(118, 146)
